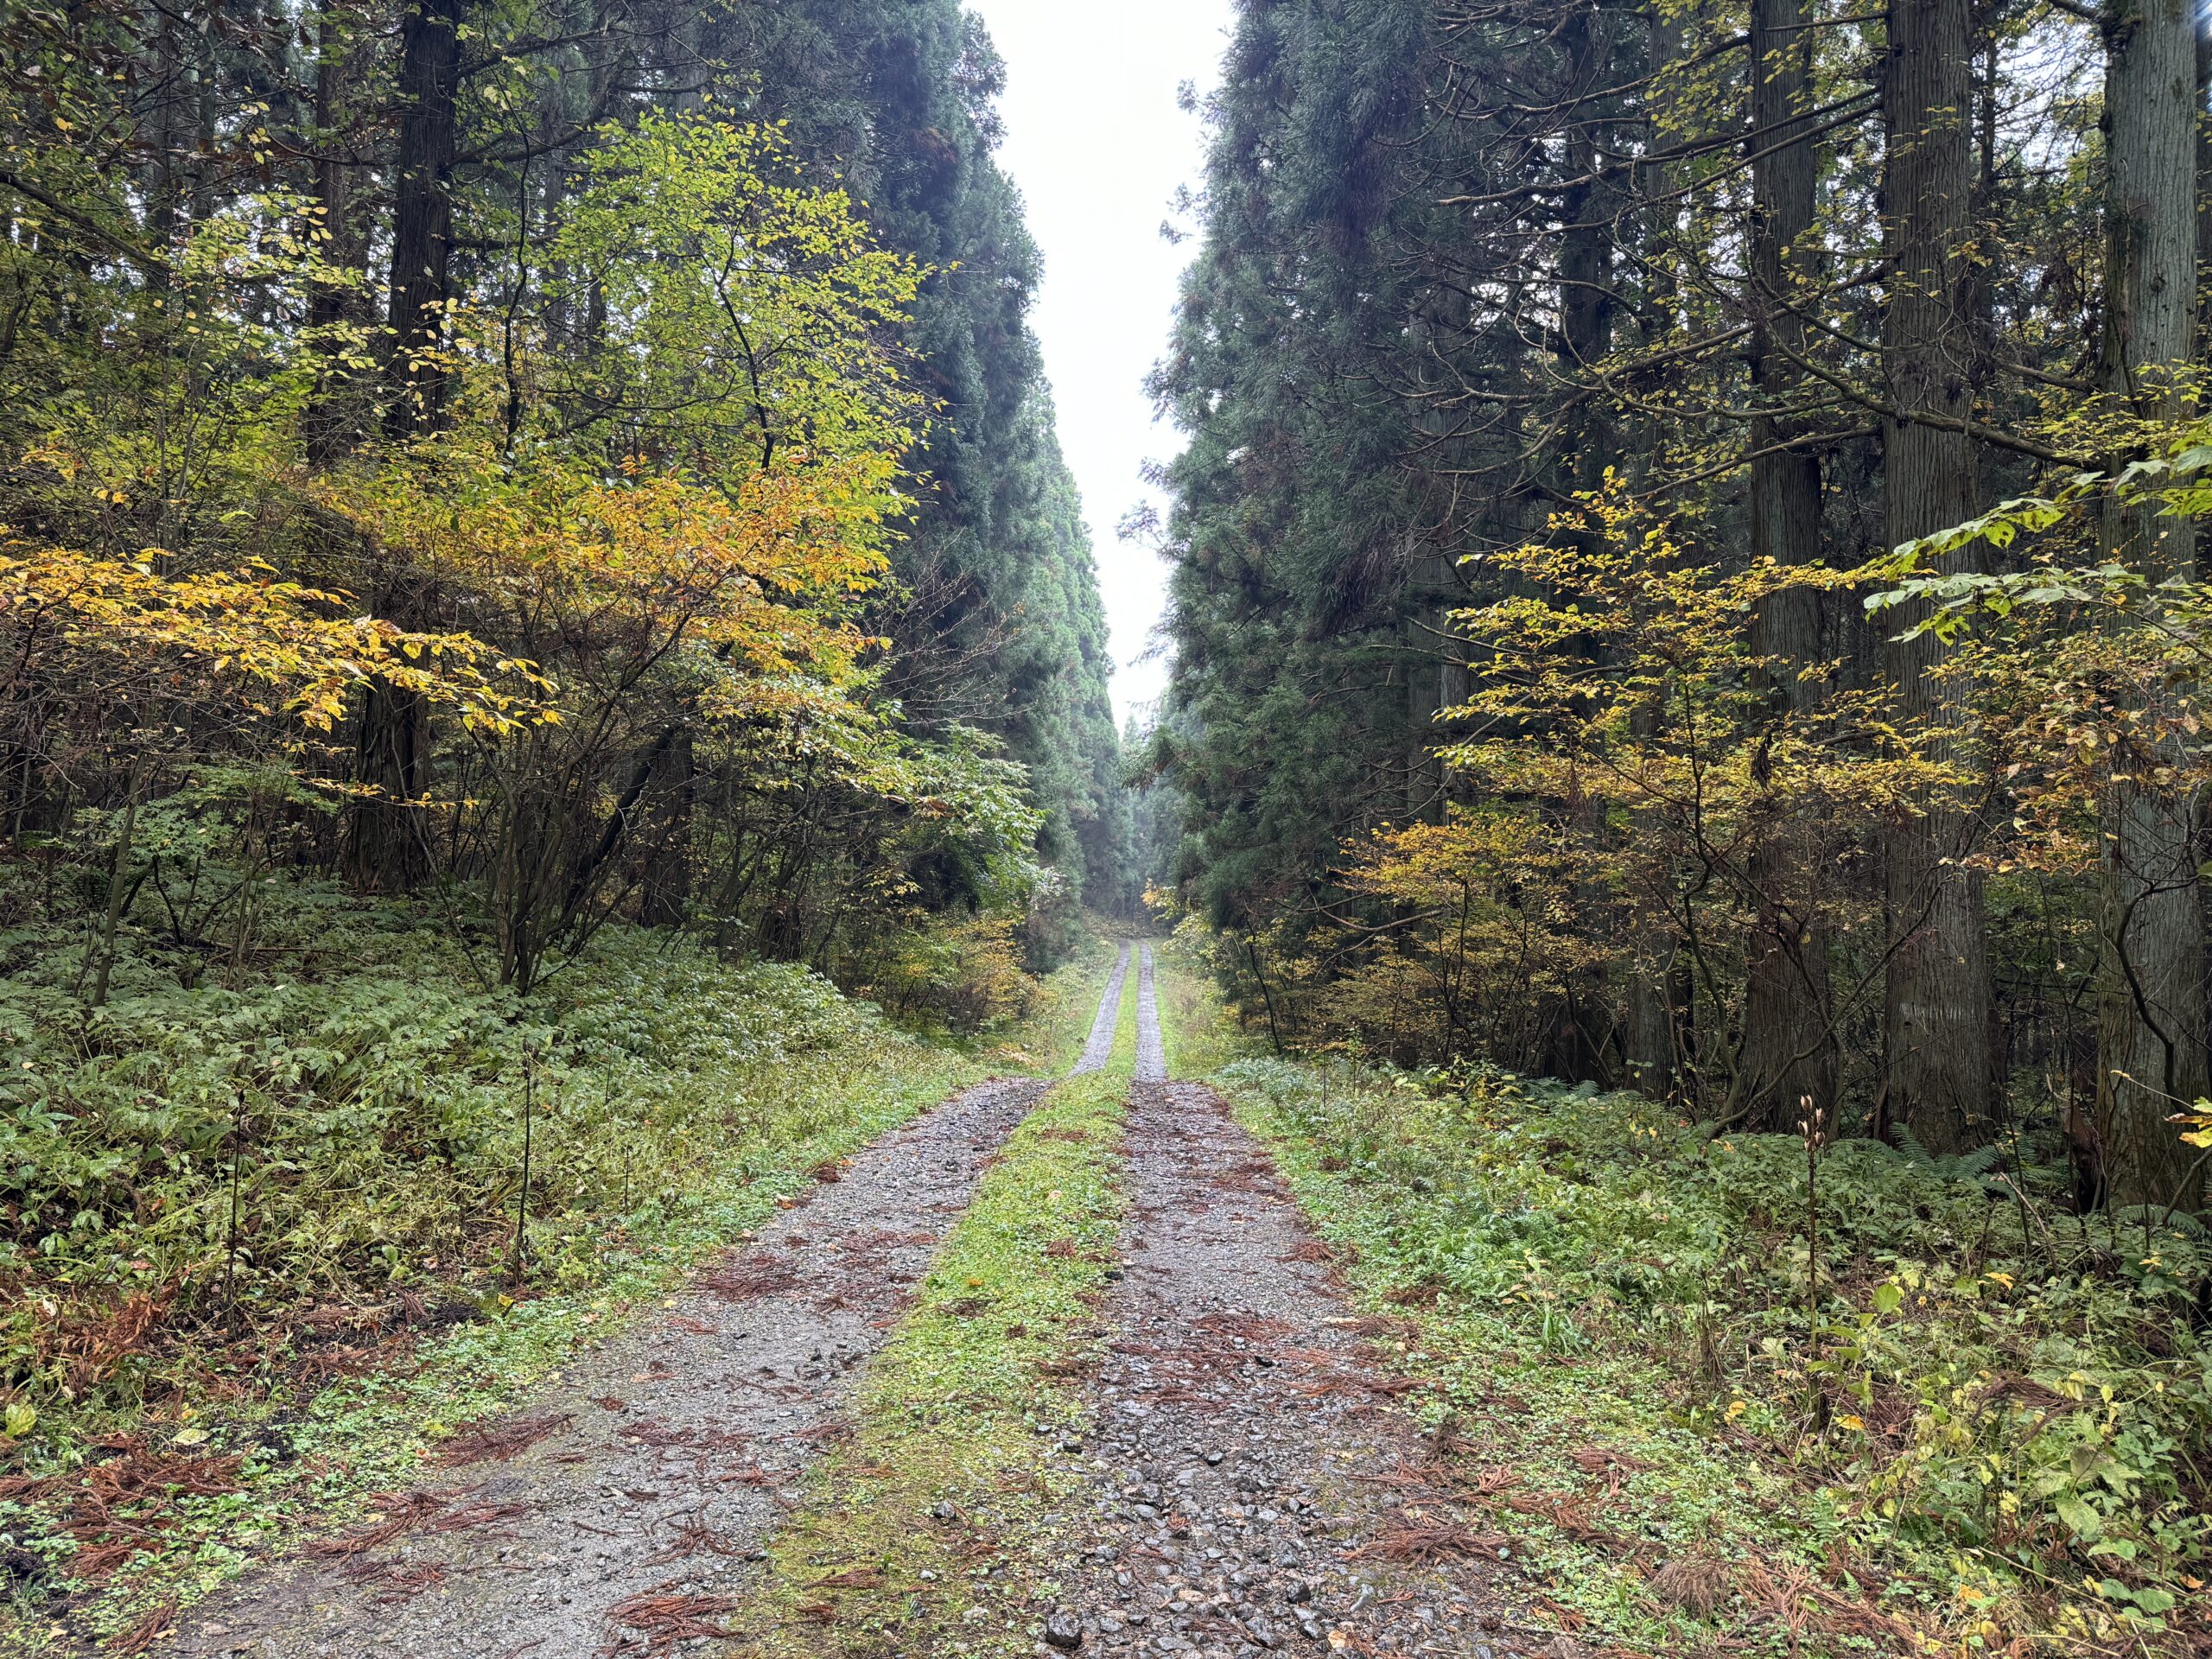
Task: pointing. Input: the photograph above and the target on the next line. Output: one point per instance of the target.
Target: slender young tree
(2151, 1028)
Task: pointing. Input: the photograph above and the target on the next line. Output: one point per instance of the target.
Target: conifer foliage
(1591, 652)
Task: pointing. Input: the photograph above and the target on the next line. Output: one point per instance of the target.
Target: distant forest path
(1250, 1477)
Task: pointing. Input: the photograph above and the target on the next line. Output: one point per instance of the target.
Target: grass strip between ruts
(924, 1527)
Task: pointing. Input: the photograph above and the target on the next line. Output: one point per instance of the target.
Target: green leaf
(2082, 1520)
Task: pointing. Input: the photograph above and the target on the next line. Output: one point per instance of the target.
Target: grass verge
(1052, 1036)
(1951, 1442)
(280, 1462)
(926, 1529)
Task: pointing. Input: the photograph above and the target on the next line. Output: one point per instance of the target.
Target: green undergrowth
(358, 1108)
(1051, 1038)
(924, 1530)
(1984, 1429)
(1198, 1035)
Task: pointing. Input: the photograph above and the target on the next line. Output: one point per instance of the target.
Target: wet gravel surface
(1152, 1057)
(659, 1462)
(1253, 1477)
(1254, 1485)
(1100, 1048)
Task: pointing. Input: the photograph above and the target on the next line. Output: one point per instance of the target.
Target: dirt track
(1262, 1486)
(662, 1461)
(1256, 1482)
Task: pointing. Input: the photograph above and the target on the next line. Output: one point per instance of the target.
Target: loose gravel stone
(1100, 1048)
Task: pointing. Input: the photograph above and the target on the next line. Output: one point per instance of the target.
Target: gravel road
(658, 1461)
(1256, 1482)
(1152, 1057)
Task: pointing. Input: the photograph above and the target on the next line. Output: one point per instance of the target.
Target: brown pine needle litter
(1419, 1538)
(746, 1281)
(853, 1577)
(498, 1442)
(142, 1634)
(413, 1512)
(1696, 1585)
(665, 1620)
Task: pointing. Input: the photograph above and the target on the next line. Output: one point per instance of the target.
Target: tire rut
(1100, 1048)
(1152, 1054)
(1253, 1469)
(588, 1524)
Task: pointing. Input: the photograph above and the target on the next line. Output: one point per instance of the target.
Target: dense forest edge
(556, 687)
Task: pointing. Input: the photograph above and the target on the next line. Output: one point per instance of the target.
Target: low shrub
(336, 1144)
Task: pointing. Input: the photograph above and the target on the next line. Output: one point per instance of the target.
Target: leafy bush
(959, 976)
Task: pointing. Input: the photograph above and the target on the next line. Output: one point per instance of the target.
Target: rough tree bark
(334, 420)
(1937, 1003)
(1657, 996)
(1586, 1045)
(421, 211)
(1789, 1048)
(2150, 1008)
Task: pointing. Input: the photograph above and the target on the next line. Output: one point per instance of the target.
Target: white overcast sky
(1096, 144)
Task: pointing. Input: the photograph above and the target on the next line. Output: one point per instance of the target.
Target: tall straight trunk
(1587, 1043)
(333, 420)
(1653, 992)
(2150, 1009)
(386, 843)
(1936, 1006)
(664, 899)
(1790, 1049)
(421, 213)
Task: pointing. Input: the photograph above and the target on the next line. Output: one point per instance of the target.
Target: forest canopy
(600, 454)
